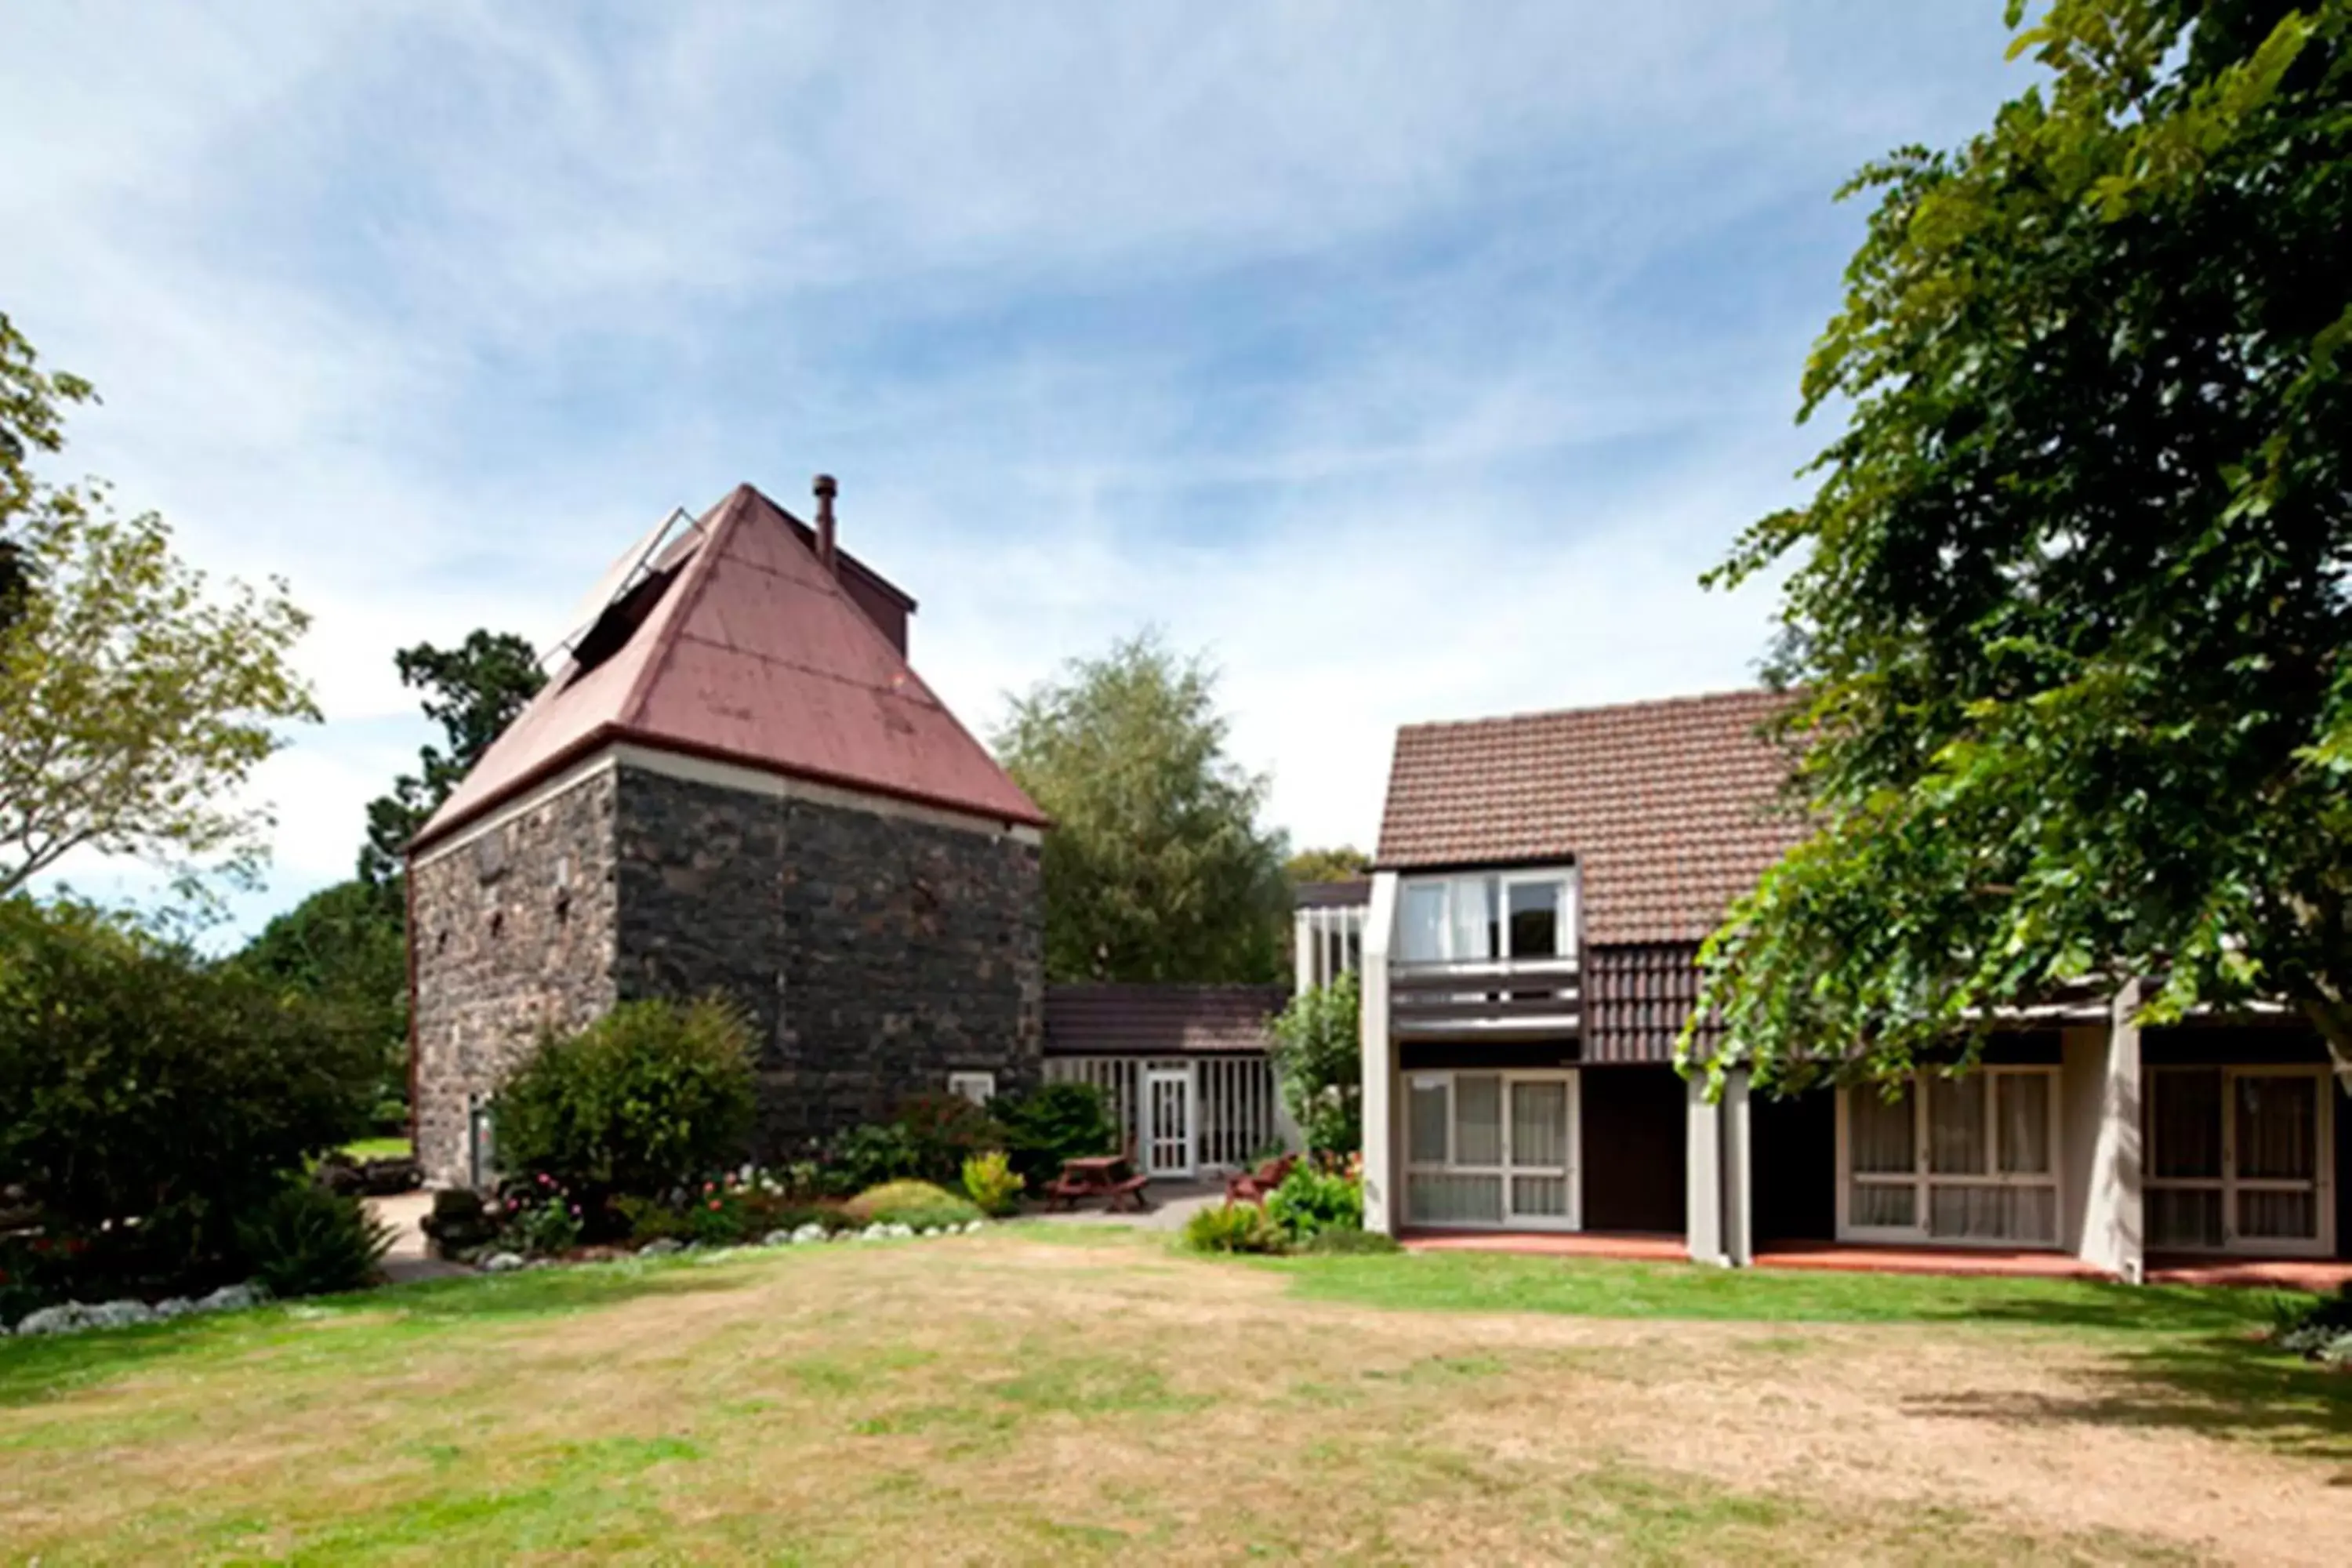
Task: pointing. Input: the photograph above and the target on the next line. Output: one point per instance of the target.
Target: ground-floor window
(2237, 1159)
(1491, 1149)
(1971, 1159)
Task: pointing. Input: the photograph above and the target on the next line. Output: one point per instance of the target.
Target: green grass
(1039, 1394)
(378, 1149)
(1593, 1287)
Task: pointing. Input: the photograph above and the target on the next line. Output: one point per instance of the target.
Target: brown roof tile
(1668, 809)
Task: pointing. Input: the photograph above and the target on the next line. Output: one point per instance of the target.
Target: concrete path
(409, 1257)
(1172, 1203)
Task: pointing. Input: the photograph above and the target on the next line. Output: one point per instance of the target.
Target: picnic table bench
(1097, 1177)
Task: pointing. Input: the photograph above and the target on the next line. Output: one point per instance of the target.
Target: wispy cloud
(1411, 361)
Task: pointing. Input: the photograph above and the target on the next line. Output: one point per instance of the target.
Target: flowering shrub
(540, 1218)
(742, 1206)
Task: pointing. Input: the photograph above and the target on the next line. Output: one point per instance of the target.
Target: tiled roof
(1667, 808)
(741, 648)
(1159, 1020)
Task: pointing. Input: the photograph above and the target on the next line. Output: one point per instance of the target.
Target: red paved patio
(2297, 1274)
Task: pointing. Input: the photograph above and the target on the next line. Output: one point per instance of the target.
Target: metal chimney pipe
(825, 490)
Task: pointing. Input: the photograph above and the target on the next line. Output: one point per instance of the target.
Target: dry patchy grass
(1019, 1397)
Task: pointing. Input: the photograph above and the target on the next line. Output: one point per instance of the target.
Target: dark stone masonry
(877, 951)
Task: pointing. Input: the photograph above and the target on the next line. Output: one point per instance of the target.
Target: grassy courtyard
(1085, 1394)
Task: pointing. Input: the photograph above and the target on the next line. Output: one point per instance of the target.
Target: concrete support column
(1383, 1167)
(1703, 1173)
(2106, 1202)
(1738, 1181)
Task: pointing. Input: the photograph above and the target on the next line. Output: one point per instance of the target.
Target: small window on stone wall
(979, 1088)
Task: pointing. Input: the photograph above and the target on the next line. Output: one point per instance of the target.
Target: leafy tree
(1156, 867)
(2068, 612)
(149, 1098)
(30, 421)
(132, 701)
(1319, 1059)
(1343, 864)
(343, 949)
(473, 691)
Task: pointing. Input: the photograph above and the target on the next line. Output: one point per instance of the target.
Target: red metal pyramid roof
(748, 651)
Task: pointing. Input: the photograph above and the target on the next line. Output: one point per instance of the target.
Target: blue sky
(1409, 361)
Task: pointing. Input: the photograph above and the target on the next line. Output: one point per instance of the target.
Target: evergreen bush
(647, 1100)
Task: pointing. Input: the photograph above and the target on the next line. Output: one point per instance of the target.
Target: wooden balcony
(1541, 997)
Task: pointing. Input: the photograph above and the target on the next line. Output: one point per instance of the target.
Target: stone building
(735, 784)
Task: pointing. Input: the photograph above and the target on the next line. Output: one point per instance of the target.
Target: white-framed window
(1492, 1148)
(979, 1088)
(2238, 1160)
(1517, 916)
(1966, 1161)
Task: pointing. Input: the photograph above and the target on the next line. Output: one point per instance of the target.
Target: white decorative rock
(501, 1263)
(899, 1232)
(931, 1231)
(661, 1246)
(175, 1307)
(873, 1232)
(777, 1239)
(234, 1298)
(973, 1227)
(125, 1314)
(68, 1317)
(807, 1232)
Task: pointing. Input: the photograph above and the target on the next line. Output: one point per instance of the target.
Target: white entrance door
(1167, 1122)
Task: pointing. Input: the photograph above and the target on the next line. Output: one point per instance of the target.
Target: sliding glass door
(2238, 1160)
(1968, 1160)
(1493, 1149)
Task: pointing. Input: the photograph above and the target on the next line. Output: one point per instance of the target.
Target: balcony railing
(1524, 996)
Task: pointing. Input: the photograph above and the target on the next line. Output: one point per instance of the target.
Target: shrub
(1051, 1123)
(2311, 1325)
(540, 1218)
(991, 1182)
(308, 1241)
(1310, 1201)
(1233, 1227)
(942, 1132)
(866, 1156)
(1349, 1241)
(916, 1204)
(644, 1101)
(1318, 1059)
(149, 1097)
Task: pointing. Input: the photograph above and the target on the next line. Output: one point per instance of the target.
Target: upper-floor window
(1503, 915)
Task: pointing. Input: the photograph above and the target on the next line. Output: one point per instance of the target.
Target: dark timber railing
(1533, 995)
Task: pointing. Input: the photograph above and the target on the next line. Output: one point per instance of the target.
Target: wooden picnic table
(1097, 1176)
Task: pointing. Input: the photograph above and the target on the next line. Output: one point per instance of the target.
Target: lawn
(1082, 1393)
(378, 1149)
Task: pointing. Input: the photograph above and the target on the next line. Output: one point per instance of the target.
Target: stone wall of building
(875, 950)
(513, 933)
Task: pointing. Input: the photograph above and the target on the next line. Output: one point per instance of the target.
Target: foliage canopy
(1156, 868)
(147, 1098)
(473, 691)
(133, 699)
(1319, 1059)
(2067, 614)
